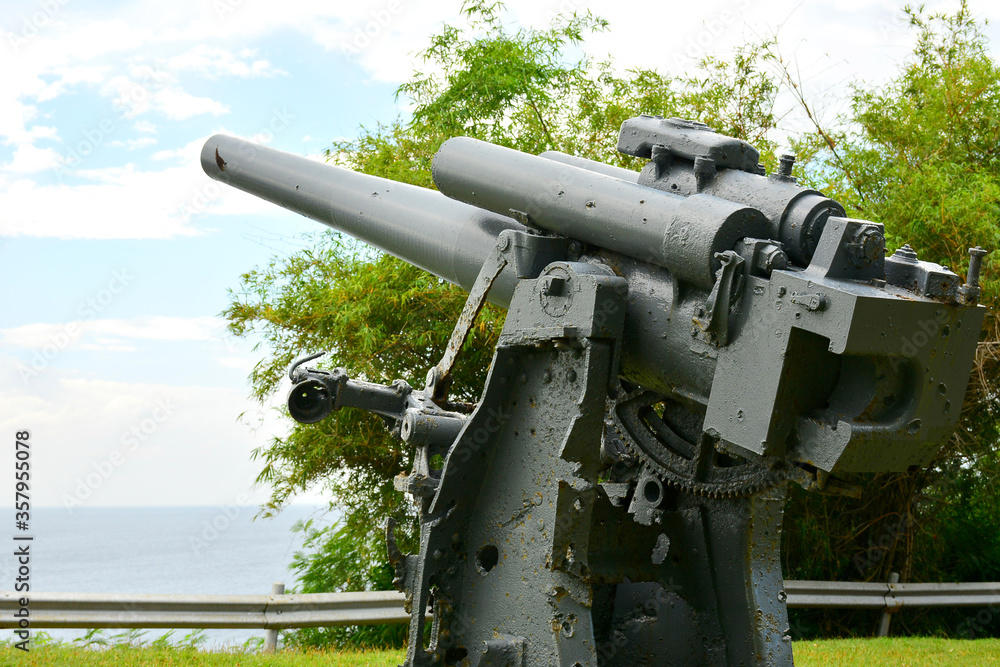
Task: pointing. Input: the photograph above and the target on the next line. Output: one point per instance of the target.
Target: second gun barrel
(682, 234)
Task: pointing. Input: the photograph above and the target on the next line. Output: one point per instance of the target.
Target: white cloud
(150, 88)
(213, 62)
(107, 333)
(189, 152)
(14, 119)
(82, 74)
(29, 159)
(244, 364)
(159, 328)
(172, 445)
(144, 126)
(105, 204)
(103, 209)
(177, 104)
(134, 144)
(107, 345)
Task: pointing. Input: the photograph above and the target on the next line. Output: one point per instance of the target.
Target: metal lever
(439, 377)
(715, 321)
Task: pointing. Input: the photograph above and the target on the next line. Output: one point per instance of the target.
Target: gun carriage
(680, 344)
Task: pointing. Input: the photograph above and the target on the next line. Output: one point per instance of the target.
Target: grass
(61, 655)
(909, 651)
(861, 652)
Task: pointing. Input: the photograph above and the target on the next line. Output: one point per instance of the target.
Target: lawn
(861, 652)
(125, 656)
(897, 652)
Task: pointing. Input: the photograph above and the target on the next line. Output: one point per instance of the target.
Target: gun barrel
(600, 167)
(440, 235)
(682, 234)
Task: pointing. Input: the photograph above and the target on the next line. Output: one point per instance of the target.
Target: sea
(221, 550)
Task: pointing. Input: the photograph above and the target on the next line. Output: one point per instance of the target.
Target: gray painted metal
(599, 167)
(271, 636)
(645, 136)
(677, 348)
(688, 158)
(445, 237)
(104, 610)
(835, 594)
(439, 377)
(893, 596)
(680, 233)
(886, 620)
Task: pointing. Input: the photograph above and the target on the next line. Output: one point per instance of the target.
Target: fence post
(883, 626)
(271, 634)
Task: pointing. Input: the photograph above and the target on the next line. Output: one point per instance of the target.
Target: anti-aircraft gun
(680, 343)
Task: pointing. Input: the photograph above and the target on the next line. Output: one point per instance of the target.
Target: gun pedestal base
(526, 559)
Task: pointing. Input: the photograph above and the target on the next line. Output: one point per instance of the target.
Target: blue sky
(116, 251)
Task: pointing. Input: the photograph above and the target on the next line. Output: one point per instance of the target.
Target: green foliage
(330, 563)
(518, 89)
(922, 152)
(502, 87)
(919, 154)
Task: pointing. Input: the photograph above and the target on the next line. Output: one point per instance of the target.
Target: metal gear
(669, 445)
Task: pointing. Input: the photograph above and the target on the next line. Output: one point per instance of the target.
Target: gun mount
(680, 343)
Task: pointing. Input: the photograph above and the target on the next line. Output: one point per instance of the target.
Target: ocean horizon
(216, 550)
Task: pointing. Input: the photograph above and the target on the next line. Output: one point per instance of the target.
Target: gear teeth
(757, 479)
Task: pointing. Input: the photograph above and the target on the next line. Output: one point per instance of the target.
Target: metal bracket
(811, 302)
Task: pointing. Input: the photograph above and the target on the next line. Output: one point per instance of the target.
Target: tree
(382, 319)
(920, 154)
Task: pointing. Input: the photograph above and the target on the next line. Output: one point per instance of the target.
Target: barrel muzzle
(310, 401)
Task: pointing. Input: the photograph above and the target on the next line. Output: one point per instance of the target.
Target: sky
(117, 252)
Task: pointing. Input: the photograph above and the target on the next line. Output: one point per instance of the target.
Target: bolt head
(906, 253)
(871, 245)
(775, 259)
